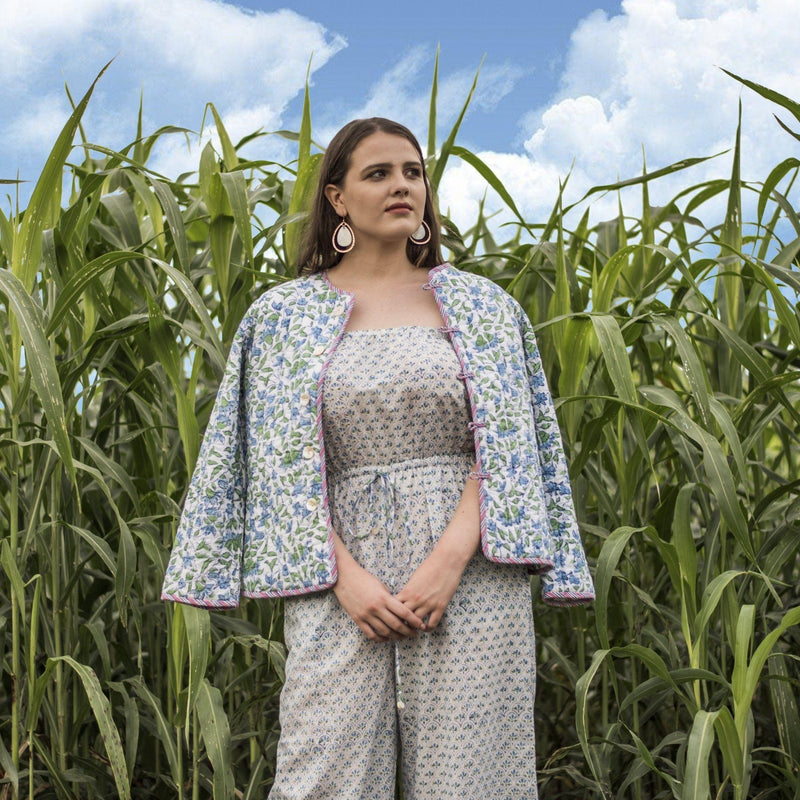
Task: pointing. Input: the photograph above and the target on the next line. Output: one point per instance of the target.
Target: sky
(578, 87)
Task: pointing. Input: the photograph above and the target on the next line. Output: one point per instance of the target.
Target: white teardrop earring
(344, 240)
(421, 235)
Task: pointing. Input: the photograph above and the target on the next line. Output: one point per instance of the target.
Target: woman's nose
(400, 185)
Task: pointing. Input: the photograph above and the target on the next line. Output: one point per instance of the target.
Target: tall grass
(670, 340)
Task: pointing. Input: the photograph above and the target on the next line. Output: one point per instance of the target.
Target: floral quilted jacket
(256, 519)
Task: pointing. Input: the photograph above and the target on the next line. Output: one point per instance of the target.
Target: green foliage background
(671, 342)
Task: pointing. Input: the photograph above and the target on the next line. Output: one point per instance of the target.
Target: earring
(343, 238)
(421, 235)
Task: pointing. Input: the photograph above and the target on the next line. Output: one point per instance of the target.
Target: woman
(421, 487)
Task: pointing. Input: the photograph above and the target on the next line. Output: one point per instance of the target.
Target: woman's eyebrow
(389, 165)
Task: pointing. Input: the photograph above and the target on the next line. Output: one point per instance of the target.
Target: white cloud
(202, 41)
(530, 184)
(39, 123)
(32, 31)
(177, 53)
(649, 78)
(402, 93)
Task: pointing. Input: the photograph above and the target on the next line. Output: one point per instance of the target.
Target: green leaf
(100, 546)
(615, 355)
(163, 730)
(187, 289)
(217, 737)
(730, 746)
(432, 107)
(300, 206)
(686, 549)
(10, 771)
(228, 150)
(40, 364)
(696, 785)
(711, 598)
(44, 204)
(108, 730)
(275, 650)
(198, 638)
(304, 138)
(236, 189)
(744, 698)
(75, 286)
(447, 148)
(485, 171)
(677, 166)
(693, 369)
(777, 174)
(785, 707)
(607, 562)
(769, 94)
(172, 212)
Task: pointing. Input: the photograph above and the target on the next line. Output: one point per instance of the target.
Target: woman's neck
(375, 265)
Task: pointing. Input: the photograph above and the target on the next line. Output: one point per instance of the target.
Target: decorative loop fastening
(479, 476)
(448, 329)
(464, 375)
(473, 425)
(427, 287)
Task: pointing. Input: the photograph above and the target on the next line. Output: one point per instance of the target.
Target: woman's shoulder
(295, 287)
(285, 294)
(478, 288)
(266, 311)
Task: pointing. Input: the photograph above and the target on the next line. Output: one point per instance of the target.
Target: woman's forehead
(381, 147)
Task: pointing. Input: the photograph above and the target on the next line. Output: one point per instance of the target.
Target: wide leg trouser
(464, 724)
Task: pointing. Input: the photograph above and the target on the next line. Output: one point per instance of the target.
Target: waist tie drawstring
(381, 515)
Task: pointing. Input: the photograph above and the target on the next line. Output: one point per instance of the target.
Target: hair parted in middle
(317, 252)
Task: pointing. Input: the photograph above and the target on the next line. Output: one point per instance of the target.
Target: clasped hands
(419, 605)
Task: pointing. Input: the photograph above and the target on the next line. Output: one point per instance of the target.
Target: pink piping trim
(331, 286)
(544, 564)
(292, 592)
(176, 598)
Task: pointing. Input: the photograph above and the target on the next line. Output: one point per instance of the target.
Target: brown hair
(317, 252)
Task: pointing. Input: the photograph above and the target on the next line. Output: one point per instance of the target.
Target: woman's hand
(436, 579)
(432, 586)
(380, 615)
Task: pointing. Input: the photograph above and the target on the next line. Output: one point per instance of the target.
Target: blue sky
(577, 87)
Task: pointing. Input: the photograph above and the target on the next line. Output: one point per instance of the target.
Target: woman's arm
(435, 581)
(372, 606)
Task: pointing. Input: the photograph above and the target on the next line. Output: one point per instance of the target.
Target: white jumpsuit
(455, 703)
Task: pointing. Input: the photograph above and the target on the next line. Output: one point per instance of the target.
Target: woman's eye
(378, 173)
(414, 172)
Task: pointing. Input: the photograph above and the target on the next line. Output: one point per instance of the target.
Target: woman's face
(383, 193)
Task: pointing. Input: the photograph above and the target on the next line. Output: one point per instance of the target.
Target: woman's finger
(403, 612)
(375, 630)
(396, 627)
(435, 618)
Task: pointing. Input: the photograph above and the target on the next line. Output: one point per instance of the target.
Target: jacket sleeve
(205, 565)
(569, 582)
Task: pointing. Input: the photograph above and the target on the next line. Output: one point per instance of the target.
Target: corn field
(672, 344)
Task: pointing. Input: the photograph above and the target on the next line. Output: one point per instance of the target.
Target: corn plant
(671, 343)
